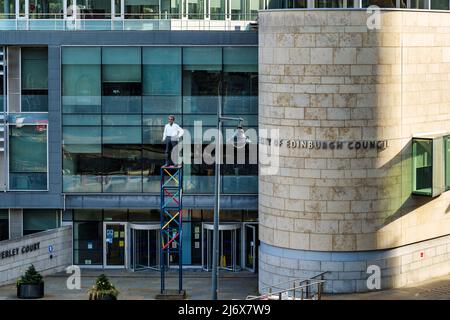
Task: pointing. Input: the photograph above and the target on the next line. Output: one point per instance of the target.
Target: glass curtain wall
(202, 88)
(82, 131)
(113, 139)
(121, 119)
(240, 99)
(34, 69)
(161, 89)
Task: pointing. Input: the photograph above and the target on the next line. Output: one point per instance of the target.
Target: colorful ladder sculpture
(171, 221)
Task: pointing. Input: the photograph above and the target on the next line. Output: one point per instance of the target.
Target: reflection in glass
(217, 8)
(34, 70)
(46, 9)
(88, 243)
(36, 220)
(122, 167)
(113, 122)
(81, 80)
(28, 157)
(7, 9)
(141, 9)
(170, 9)
(196, 9)
(422, 166)
(98, 9)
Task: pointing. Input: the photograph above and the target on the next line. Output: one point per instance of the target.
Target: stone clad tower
(325, 79)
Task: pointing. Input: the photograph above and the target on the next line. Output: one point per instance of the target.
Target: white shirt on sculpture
(173, 131)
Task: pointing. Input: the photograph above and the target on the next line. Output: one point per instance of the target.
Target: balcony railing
(154, 21)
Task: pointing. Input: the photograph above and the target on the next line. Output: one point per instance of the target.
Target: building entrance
(229, 246)
(144, 246)
(250, 247)
(114, 249)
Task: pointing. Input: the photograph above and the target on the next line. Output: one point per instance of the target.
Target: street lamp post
(218, 149)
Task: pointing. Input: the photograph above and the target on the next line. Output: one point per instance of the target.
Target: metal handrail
(295, 279)
(293, 289)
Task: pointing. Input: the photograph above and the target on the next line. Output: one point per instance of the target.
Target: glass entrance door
(229, 247)
(114, 245)
(144, 246)
(250, 250)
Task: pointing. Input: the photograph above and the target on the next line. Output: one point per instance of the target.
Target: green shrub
(31, 276)
(103, 287)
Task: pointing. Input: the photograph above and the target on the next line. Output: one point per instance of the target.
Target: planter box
(108, 297)
(30, 291)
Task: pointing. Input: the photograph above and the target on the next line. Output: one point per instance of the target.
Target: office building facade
(86, 88)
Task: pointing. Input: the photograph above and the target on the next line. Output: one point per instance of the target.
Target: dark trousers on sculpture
(170, 145)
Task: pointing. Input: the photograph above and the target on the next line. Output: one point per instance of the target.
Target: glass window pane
(82, 167)
(121, 64)
(158, 104)
(196, 9)
(115, 215)
(123, 119)
(440, 4)
(81, 120)
(98, 9)
(162, 80)
(217, 8)
(122, 165)
(152, 135)
(46, 9)
(171, 9)
(4, 224)
(202, 58)
(87, 215)
(28, 157)
(162, 71)
(240, 59)
(422, 166)
(7, 9)
(123, 135)
(87, 243)
(35, 220)
(158, 119)
(81, 55)
(82, 135)
(153, 159)
(143, 215)
(34, 70)
(141, 9)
